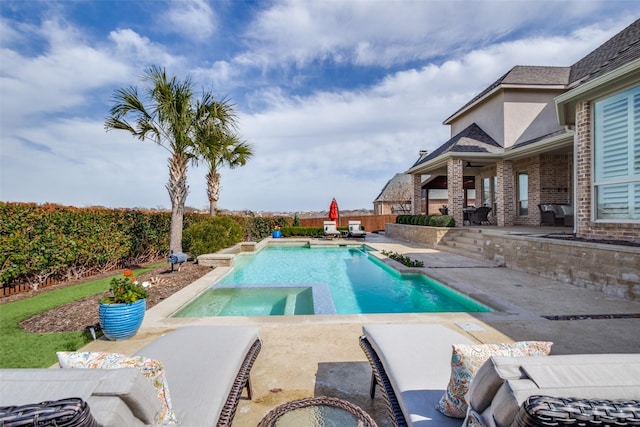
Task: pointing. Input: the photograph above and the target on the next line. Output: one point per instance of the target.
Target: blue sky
(335, 96)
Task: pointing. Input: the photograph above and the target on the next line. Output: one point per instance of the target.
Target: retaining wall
(427, 236)
(611, 269)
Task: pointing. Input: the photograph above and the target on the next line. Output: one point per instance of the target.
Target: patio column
(455, 180)
(505, 193)
(416, 199)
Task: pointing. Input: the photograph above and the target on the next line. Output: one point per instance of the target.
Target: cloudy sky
(335, 96)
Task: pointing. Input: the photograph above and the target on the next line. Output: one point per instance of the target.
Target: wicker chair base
(242, 381)
(545, 411)
(72, 412)
(379, 378)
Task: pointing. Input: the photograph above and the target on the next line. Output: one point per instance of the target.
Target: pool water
(250, 302)
(358, 283)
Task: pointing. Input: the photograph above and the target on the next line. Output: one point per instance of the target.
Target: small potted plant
(121, 314)
(276, 233)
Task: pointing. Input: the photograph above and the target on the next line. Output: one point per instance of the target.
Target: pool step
(290, 305)
(466, 242)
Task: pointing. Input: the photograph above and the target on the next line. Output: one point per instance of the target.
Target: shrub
(403, 259)
(302, 231)
(404, 219)
(38, 242)
(211, 234)
(442, 221)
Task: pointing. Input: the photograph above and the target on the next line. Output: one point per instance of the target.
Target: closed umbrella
(333, 211)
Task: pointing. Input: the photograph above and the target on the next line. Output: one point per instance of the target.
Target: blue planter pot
(276, 234)
(121, 321)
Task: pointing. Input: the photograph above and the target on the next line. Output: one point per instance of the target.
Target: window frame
(522, 211)
(599, 180)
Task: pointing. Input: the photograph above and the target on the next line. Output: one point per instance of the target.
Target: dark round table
(317, 412)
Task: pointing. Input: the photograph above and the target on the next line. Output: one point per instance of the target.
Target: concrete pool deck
(306, 356)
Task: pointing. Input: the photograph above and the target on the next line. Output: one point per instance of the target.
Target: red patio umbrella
(333, 211)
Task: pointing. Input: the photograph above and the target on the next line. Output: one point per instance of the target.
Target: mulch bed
(83, 314)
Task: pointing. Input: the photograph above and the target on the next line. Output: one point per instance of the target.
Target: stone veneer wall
(606, 268)
(427, 236)
(609, 269)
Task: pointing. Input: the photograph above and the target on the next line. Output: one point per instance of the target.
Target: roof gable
(471, 140)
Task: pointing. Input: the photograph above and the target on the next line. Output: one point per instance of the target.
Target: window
(617, 156)
(489, 186)
(523, 194)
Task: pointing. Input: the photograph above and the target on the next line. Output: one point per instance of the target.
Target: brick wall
(456, 191)
(557, 171)
(506, 193)
(416, 202)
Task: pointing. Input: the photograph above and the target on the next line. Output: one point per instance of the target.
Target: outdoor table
(317, 411)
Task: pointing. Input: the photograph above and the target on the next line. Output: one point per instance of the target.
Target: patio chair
(356, 230)
(411, 364)
(330, 230)
(206, 368)
(480, 215)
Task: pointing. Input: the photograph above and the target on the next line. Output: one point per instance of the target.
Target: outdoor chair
(197, 372)
(356, 230)
(330, 230)
(480, 215)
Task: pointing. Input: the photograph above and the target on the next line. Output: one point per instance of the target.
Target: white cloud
(193, 19)
(308, 148)
(386, 33)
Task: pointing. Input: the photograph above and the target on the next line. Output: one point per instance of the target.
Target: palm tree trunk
(213, 191)
(178, 190)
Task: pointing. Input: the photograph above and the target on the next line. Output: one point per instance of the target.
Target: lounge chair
(356, 230)
(412, 366)
(206, 369)
(330, 230)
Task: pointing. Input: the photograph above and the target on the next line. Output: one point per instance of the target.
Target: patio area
(305, 356)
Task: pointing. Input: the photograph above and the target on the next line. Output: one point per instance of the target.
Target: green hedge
(211, 234)
(38, 242)
(430, 220)
(42, 241)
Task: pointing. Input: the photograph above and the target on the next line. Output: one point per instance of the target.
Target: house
(395, 197)
(542, 136)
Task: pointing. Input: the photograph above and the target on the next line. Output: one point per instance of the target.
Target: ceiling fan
(469, 165)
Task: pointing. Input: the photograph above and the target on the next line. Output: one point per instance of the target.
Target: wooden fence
(19, 287)
(369, 222)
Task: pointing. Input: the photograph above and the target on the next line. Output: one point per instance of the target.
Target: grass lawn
(19, 349)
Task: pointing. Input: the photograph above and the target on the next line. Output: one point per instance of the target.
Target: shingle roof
(534, 140)
(619, 50)
(471, 140)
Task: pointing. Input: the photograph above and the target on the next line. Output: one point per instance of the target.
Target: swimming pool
(358, 283)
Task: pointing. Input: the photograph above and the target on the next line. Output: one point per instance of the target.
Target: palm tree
(218, 144)
(166, 116)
